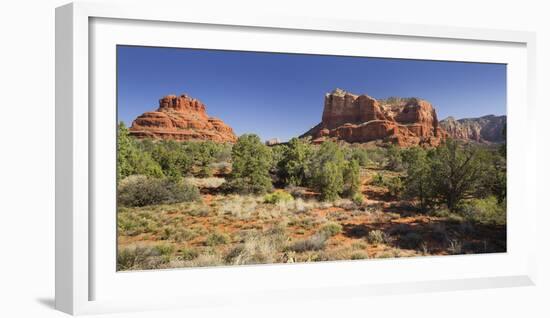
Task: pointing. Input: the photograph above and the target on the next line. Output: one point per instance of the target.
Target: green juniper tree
(251, 164)
(132, 160)
(326, 171)
(352, 178)
(294, 162)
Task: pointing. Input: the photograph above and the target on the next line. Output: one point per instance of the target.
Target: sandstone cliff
(488, 128)
(361, 118)
(181, 118)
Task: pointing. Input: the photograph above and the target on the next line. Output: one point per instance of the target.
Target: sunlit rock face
(361, 118)
(181, 118)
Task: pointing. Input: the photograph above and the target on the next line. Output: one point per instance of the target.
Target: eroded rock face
(181, 118)
(488, 128)
(361, 118)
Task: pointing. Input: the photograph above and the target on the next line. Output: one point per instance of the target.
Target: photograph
(229, 158)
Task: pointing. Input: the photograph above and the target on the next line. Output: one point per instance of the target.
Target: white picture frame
(85, 280)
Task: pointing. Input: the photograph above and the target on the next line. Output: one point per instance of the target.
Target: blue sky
(281, 95)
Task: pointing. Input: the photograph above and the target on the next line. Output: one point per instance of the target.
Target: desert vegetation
(202, 203)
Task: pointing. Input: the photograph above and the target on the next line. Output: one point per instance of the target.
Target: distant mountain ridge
(489, 128)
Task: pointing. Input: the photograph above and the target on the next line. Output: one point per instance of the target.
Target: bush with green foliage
(377, 156)
(377, 180)
(204, 154)
(175, 163)
(487, 210)
(395, 186)
(327, 171)
(251, 164)
(494, 175)
(294, 162)
(358, 198)
(352, 178)
(418, 183)
(455, 171)
(331, 229)
(394, 158)
(278, 196)
(360, 155)
(131, 160)
(140, 190)
(447, 174)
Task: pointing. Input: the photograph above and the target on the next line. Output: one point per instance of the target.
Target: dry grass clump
(315, 242)
(377, 237)
(143, 257)
(258, 248)
(132, 223)
(214, 239)
(201, 260)
(238, 206)
(455, 247)
(178, 233)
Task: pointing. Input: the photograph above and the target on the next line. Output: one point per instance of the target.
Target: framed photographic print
(243, 156)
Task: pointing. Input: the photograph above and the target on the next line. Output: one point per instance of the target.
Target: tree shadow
(436, 236)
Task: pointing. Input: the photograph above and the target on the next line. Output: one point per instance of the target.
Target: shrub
(215, 239)
(358, 256)
(455, 171)
(295, 159)
(395, 159)
(164, 249)
(377, 180)
(187, 254)
(184, 234)
(313, 243)
(358, 198)
(418, 183)
(130, 224)
(455, 247)
(131, 160)
(326, 171)
(394, 185)
(360, 155)
(258, 248)
(251, 164)
(377, 237)
(174, 162)
(487, 210)
(447, 174)
(377, 156)
(352, 178)
(142, 191)
(138, 257)
(331, 229)
(330, 181)
(278, 196)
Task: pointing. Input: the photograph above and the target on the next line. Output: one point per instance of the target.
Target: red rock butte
(181, 118)
(361, 118)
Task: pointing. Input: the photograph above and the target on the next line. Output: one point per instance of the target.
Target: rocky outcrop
(181, 118)
(361, 118)
(488, 128)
